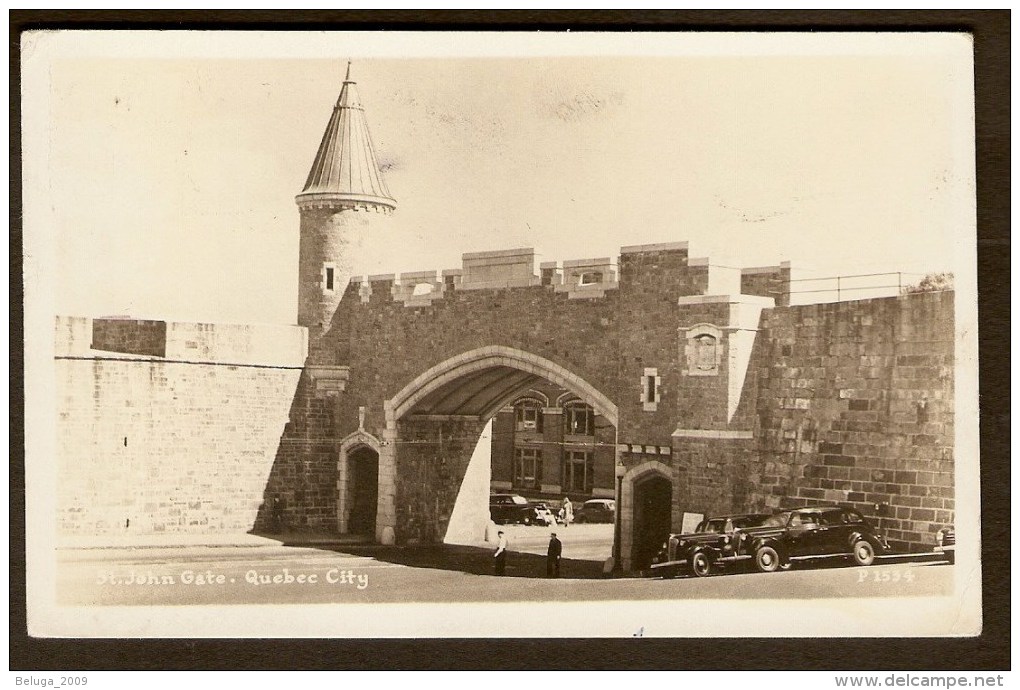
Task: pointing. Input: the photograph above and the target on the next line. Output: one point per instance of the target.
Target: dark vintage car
(945, 543)
(714, 544)
(813, 533)
(510, 509)
(596, 510)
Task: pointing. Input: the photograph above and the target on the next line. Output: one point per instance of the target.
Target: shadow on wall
(300, 493)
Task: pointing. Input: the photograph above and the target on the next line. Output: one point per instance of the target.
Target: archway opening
(434, 424)
(652, 518)
(362, 490)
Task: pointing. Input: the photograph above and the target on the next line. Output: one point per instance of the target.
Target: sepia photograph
(514, 335)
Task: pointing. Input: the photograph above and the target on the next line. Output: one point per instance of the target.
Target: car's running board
(732, 559)
(668, 564)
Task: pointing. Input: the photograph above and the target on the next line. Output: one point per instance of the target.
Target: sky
(161, 174)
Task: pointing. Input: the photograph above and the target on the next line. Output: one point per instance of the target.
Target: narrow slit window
(329, 278)
(651, 390)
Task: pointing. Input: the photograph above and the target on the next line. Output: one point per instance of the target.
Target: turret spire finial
(345, 173)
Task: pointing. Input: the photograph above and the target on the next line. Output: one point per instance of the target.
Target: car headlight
(940, 537)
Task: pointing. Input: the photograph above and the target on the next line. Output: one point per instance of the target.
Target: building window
(328, 278)
(529, 416)
(590, 278)
(527, 467)
(651, 390)
(579, 471)
(580, 419)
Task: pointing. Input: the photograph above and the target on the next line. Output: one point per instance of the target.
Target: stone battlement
(515, 268)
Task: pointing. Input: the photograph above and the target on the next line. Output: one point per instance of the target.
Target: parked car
(715, 543)
(813, 533)
(596, 510)
(945, 543)
(510, 509)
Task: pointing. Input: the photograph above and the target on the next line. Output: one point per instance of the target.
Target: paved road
(285, 575)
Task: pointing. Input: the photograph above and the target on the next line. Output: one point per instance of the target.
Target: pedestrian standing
(552, 559)
(568, 511)
(500, 555)
(276, 516)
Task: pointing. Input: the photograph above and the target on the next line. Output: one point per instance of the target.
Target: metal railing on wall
(849, 287)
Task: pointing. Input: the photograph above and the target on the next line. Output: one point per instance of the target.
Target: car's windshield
(748, 521)
(777, 520)
(520, 500)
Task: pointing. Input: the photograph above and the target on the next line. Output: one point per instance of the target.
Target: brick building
(548, 443)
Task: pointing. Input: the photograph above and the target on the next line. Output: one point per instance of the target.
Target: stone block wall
(716, 476)
(432, 458)
(150, 445)
(651, 279)
(854, 405)
(850, 403)
(768, 281)
(305, 468)
(387, 345)
(130, 336)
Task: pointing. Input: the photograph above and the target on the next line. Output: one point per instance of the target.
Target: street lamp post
(621, 470)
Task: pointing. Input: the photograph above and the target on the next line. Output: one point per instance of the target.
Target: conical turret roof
(345, 173)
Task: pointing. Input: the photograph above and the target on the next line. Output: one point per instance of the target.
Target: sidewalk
(213, 540)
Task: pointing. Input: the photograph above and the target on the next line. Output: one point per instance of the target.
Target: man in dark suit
(500, 555)
(552, 559)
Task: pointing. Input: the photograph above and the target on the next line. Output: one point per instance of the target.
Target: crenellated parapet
(768, 281)
(574, 278)
(587, 278)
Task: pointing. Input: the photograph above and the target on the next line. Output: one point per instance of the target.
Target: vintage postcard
(500, 335)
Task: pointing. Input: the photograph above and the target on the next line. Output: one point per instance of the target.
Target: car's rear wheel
(701, 565)
(526, 520)
(767, 560)
(864, 552)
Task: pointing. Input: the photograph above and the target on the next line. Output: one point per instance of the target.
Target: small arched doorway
(362, 497)
(653, 496)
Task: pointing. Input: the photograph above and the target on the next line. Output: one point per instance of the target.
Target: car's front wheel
(701, 565)
(864, 553)
(767, 560)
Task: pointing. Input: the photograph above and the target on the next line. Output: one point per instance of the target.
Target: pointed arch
(490, 357)
(626, 512)
(348, 446)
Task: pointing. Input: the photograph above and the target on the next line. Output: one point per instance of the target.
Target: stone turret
(343, 193)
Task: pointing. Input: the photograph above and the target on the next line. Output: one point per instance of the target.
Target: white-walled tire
(864, 552)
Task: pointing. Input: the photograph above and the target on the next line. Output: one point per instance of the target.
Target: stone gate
(724, 398)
